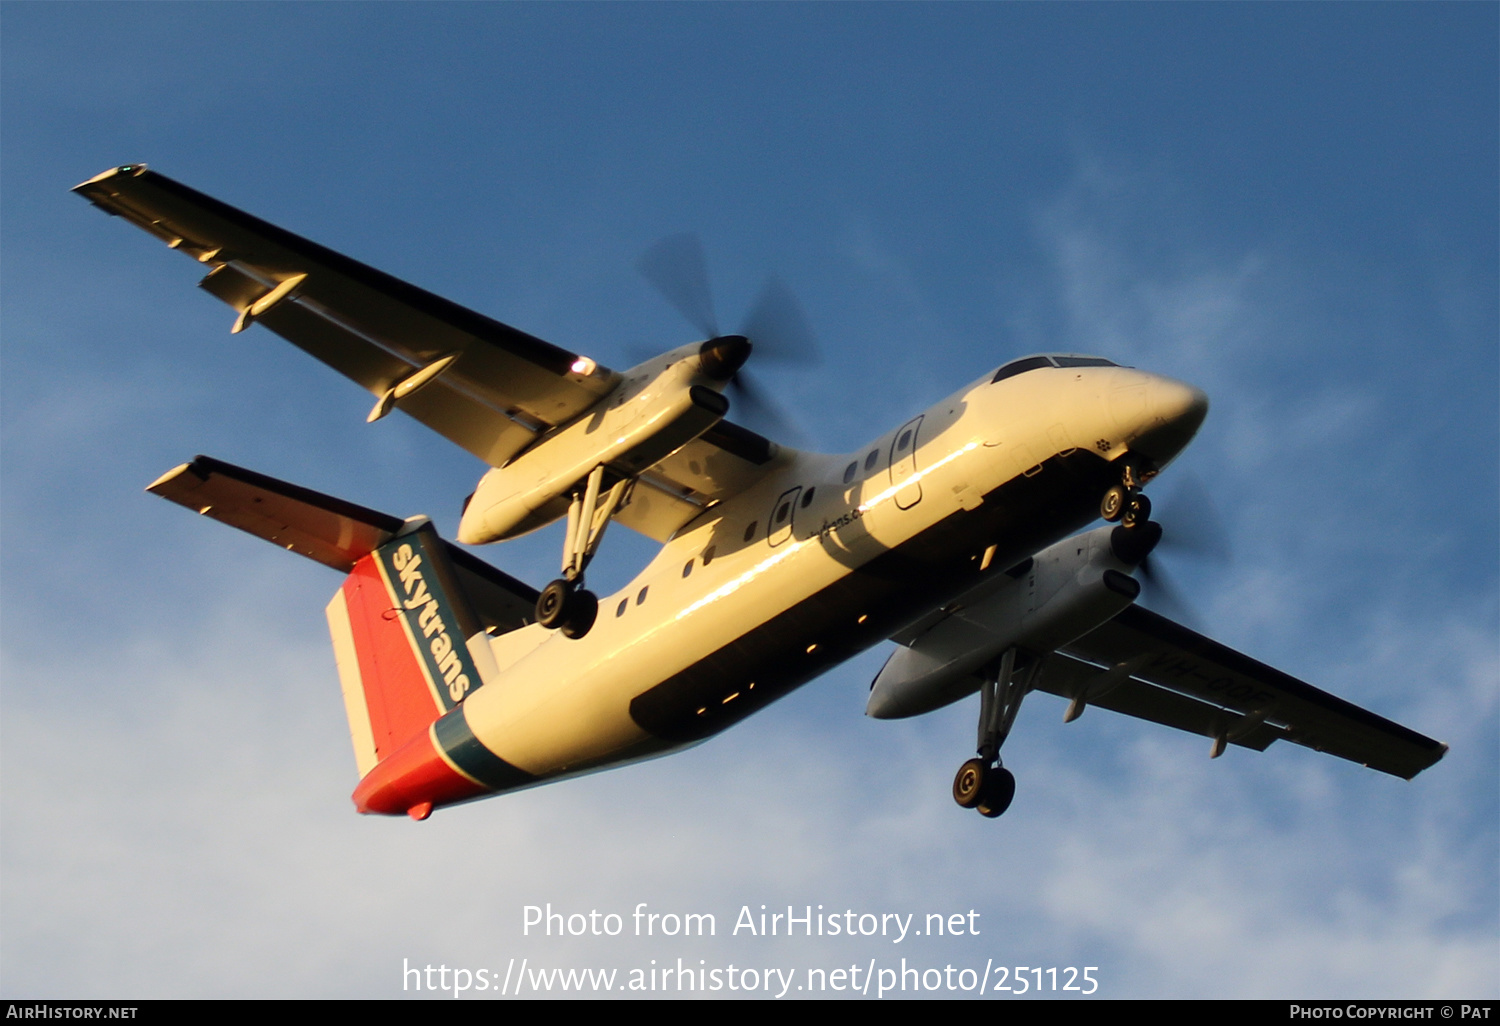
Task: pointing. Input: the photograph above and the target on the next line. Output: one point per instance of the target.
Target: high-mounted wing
(490, 388)
(484, 385)
(1172, 675)
(722, 462)
(330, 531)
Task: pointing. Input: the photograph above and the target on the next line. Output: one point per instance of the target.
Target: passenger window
(781, 514)
(750, 531)
(807, 497)
(849, 471)
(870, 460)
(905, 441)
(687, 568)
(620, 609)
(708, 555)
(642, 596)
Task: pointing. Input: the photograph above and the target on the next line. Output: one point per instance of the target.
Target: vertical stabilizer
(409, 646)
(410, 628)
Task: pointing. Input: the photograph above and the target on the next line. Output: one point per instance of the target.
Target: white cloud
(175, 801)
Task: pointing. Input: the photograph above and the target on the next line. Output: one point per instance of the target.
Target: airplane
(963, 534)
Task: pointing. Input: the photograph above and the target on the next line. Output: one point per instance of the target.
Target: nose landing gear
(984, 784)
(1112, 506)
(1125, 501)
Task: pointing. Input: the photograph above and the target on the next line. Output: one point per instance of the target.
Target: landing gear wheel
(996, 793)
(968, 785)
(1137, 511)
(1112, 506)
(583, 614)
(564, 606)
(552, 604)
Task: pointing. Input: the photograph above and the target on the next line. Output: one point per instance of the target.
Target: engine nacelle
(655, 411)
(1066, 591)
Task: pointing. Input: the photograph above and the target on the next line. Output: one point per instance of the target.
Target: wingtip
(168, 477)
(1441, 750)
(122, 169)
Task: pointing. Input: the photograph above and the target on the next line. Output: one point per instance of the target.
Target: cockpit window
(1084, 361)
(1021, 366)
(1015, 367)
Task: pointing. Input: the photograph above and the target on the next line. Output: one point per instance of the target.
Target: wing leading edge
(499, 388)
(1174, 676)
(489, 388)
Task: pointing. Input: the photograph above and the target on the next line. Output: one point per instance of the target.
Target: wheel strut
(564, 604)
(984, 783)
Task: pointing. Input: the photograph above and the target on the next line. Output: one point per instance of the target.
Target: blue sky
(1292, 206)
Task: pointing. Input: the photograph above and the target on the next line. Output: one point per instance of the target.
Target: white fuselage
(763, 592)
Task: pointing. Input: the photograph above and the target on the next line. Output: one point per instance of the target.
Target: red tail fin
(408, 625)
(401, 630)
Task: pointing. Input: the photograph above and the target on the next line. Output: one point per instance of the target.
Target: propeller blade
(1193, 524)
(778, 327)
(677, 268)
(1162, 595)
(754, 408)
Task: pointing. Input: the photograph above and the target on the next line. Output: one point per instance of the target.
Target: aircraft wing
(503, 389)
(329, 531)
(720, 463)
(1172, 675)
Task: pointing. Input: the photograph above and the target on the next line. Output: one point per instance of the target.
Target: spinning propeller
(1191, 526)
(775, 325)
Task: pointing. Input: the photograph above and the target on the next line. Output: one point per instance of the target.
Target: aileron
(371, 326)
(1253, 695)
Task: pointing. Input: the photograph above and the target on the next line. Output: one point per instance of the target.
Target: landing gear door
(904, 465)
(779, 527)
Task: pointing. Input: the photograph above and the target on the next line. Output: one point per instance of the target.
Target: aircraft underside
(954, 535)
(876, 599)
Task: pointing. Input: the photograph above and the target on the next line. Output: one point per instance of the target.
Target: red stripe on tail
(397, 694)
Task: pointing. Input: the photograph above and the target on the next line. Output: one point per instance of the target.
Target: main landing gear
(565, 605)
(984, 784)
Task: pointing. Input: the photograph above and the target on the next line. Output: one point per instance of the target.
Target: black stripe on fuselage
(891, 590)
(459, 744)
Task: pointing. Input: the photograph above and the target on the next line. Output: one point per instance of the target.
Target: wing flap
(1253, 701)
(366, 324)
(1068, 678)
(719, 464)
(329, 531)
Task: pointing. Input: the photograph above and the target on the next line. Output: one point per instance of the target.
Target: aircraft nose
(1174, 412)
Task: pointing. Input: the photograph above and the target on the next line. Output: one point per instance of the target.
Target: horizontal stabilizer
(329, 531)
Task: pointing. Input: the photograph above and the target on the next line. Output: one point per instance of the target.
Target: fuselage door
(904, 465)
(779, 527)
